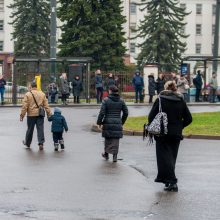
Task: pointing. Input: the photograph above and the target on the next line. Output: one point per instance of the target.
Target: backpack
(158, 126)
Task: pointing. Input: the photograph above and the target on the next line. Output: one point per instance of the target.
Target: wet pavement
(77, 184)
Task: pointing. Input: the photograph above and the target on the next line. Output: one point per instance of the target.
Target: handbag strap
(35, 100)
(160, 106)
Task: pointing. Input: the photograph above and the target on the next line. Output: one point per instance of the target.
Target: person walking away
(151, 87)
(2, 88)
(77, 88)
(183, 87)
(110, 81)
(213, 84)
(99, 86)
(197, 82)
(167, 146)
(110, 118)
(160, 83)
(138, 84)
(64, 87)
(58, 126)
(31, 103)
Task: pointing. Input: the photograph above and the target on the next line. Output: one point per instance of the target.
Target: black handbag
(41, 109)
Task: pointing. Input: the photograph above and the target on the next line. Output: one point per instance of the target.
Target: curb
(95, 128)
(94, 105)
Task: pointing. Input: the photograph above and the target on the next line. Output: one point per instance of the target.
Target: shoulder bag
(41, 109)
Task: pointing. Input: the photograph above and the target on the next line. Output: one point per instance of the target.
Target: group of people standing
(156, 86)
(77, 88)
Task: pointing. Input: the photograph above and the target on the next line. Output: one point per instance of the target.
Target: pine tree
(162, 32)
(93, 28)
(31, 22)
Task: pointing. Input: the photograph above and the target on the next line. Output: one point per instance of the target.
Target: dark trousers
(166, 152)
(138, 93)
(99, 94)
(151, 98)
(212, 95)
(76, 99)
(198, 91)
(2, 92)
(57, 136)
(31, 122)
(64, 97)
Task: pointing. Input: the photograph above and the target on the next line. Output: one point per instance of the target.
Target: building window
(132, 48)
(213, 10)
(182, 30)
(1, 25)
(1, 45)
(198, 48)
(183, 6)
(212, 48)
(213, 29)
(133, 8)
(198, 9)
(198, 29)
(133, 27)
(1, 5)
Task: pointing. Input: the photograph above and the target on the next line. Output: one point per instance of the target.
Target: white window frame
(198, 9)
(198, 29)
(133, 8)
(198, 48)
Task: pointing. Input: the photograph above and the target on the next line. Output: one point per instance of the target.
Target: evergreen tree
(93, 28)
(162, 32)
(31, 22)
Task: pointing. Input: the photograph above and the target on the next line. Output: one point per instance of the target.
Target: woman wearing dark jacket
(151, 87)
(167, 146)
(111, 120)
(77, 88)
(160, 83)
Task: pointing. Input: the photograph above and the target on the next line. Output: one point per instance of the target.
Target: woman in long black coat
(151, 87)
(112, 121)
(167, 146)
(77, 88)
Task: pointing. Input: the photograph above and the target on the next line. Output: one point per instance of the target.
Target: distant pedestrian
(110, 81)
(151, 87)
(58, 126)
(77, 88)
(64, 88)
(2, 88)
(99, 86)
(52, 93)
(167, 146)
(112, 121)
(213, 84)
(197, 81)
(160, 83)
(174, 77)
(183, 87)
(138, 84)
(33, 100)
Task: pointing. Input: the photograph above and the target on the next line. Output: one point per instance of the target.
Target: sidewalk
(98, 105)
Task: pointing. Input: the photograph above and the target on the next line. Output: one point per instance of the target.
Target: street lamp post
(216, 37)
(53, 43)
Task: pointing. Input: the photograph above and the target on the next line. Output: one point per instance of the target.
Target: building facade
(200, 26)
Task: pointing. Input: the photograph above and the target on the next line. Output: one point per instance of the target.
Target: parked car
(20, 89)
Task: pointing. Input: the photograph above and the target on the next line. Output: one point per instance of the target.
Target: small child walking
(57, 128)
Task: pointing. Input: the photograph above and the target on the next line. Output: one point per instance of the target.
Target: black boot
(105, 155)
(115, 158)
(172, 187)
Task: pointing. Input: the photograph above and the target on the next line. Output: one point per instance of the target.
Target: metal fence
(23, 73)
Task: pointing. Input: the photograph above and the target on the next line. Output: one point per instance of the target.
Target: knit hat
(114, 89)
(56, 109)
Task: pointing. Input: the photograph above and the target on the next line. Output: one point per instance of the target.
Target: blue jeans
(138, 93)
(2, 91)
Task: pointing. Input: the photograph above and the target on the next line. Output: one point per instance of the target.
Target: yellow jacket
(29, 106)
